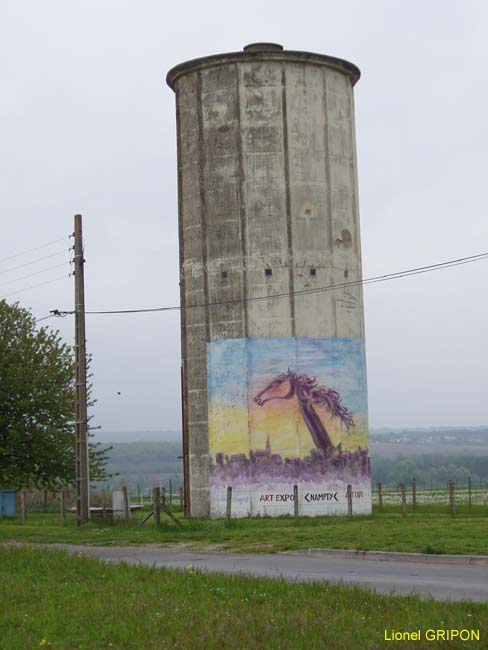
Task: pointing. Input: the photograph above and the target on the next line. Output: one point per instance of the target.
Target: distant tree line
(452, 435)
(146, 463)
(143, 464)
(430, 470)
(144, 457)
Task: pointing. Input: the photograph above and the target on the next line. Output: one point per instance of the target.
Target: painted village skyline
(262, 466)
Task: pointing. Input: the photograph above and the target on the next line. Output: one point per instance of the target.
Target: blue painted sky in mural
(227, 371)
(336, 363)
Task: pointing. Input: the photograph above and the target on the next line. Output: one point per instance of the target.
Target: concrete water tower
(273, 359)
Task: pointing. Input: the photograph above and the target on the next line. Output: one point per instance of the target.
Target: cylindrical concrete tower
(273, 360)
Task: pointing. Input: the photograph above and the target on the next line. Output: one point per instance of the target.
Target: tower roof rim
(289, 56)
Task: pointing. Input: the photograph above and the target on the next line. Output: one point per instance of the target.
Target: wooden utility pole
(185, 458)
(81, 418)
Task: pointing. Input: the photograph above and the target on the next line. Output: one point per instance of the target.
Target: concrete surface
(267, 181)
(437, 577)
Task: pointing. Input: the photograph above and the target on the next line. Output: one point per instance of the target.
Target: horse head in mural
(305, 389)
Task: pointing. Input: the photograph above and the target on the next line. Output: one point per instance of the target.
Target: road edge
(393, 555)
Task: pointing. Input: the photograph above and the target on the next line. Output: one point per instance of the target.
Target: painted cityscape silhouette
(262, 466)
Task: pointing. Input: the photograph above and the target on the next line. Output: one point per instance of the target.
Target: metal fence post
(414, 495)
(380, 497)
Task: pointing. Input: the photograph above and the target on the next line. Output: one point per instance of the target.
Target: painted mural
(285, 412)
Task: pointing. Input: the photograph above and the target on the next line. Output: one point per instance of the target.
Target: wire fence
(416, 496)
(408, 498)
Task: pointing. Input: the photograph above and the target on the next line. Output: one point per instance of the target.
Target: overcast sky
(88, 125)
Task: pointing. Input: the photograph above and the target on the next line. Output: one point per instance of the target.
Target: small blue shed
(8, 499)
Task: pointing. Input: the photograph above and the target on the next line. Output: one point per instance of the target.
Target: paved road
(438, 578)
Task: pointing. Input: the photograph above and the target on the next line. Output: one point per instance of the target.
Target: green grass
(430, 530)
(49, 599)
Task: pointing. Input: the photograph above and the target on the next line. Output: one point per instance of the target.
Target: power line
(30, 275)
(39, 259)
(36, 248)
(332, 287)
(34, 286)
(38, 320)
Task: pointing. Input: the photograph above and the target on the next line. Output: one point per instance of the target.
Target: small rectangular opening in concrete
(268, 272)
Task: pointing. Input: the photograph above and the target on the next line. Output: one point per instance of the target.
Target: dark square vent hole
(313, 271)
(268, 271)
(223, 275)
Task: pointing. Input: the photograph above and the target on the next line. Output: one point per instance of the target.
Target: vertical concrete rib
(244, 232)
(357, 229)
(354, 187)
(329, 202)
(289, 233)
(242, 207)
(184, 365)
(203, 204)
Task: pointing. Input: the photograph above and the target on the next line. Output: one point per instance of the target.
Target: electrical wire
(38, 320)
(30, 275)
(34, 286)
(332, 287)
(36, 248)
(39, 259)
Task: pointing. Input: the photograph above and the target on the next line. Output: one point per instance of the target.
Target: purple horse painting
(308, 393)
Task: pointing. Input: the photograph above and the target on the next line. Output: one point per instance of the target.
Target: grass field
(430, 530)
(51, 600)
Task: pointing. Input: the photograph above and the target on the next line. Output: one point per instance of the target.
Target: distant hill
(382, 439)
(104, 435)
(430, 454)
(443, 440)
(145, 464)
